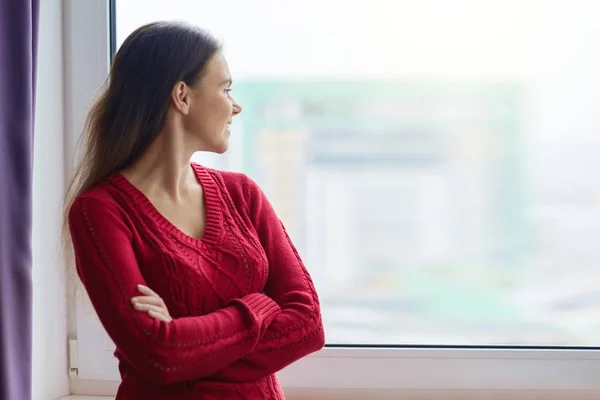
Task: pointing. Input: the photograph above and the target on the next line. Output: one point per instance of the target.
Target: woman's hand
(152, 304)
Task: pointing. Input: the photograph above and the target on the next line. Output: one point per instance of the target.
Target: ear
(181, 97)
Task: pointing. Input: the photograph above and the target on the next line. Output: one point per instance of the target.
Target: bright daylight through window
(439, 172)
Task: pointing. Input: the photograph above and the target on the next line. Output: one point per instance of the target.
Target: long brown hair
(131, 109)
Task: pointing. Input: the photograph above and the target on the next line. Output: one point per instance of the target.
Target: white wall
(50, 378)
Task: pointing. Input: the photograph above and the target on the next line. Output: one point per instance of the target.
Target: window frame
(88, 45)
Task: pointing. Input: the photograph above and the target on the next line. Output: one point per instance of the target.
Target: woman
(189, 269)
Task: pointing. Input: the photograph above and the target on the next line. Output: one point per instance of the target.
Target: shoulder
(230, 178)
(98, 195)
(96, 202)
(244, 191)
(239, 185)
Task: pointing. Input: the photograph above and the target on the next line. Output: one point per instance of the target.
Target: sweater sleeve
(163, 352)
(298, 330)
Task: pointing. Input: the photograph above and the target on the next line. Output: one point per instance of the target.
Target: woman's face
(212, 107)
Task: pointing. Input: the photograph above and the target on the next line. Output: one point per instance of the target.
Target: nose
(236, 108)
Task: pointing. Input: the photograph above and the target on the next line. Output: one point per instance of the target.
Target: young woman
(189, 269)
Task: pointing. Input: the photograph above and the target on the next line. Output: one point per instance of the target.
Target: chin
(222, 147)
(217, 145)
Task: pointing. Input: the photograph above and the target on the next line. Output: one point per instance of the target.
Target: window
(436, 165)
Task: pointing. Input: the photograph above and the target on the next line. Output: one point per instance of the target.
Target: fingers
(147, 307)
(151, 303)
(159, 316)
(156, 301)
(147, 291)
(153, 311)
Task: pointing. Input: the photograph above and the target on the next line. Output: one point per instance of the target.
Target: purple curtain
(18, 50)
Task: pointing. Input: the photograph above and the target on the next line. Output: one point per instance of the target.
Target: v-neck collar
(211, 204)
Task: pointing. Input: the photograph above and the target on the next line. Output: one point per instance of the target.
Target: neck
(164, 168)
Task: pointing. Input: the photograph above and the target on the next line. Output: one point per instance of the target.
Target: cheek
(227, 106)
(211, 115)
(212, 110)
(219, 109)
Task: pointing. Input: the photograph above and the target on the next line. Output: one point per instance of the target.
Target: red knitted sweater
(242, 302)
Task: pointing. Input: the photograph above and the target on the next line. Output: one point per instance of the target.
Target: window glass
(437, 163)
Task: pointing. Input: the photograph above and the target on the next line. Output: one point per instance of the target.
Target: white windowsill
(306, 394)
(86, 398)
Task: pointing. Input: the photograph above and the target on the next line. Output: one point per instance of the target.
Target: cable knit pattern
(243, 304)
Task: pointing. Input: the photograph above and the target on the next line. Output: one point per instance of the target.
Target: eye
(228, 90)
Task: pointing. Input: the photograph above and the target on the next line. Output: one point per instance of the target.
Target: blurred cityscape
(407, 203)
